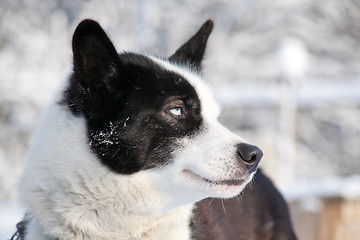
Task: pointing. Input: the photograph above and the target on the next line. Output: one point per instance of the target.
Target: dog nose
(250, 155)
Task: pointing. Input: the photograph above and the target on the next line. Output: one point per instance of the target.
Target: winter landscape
(286, 73)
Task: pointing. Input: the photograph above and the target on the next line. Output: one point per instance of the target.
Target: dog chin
(226, 188)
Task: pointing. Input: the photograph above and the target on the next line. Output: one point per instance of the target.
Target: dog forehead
(209, 106)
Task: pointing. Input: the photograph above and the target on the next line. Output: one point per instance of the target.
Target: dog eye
(176, 111)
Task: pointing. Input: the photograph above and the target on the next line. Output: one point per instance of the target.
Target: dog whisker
(212, 199)
(222, 203)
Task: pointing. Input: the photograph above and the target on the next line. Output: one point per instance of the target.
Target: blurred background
(286, 73)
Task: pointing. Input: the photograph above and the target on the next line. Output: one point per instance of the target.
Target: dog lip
(227, 182)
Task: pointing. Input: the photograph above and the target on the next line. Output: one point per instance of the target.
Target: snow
(346, 187)
(292, 57)
(309, 94)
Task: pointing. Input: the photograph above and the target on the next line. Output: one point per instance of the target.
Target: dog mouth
(226, 183)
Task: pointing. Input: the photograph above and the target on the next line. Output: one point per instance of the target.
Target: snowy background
(287, 74)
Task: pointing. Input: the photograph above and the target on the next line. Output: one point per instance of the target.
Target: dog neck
(68, 194)
(173, 225)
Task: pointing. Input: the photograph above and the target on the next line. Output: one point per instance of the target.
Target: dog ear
(96, 61)
(192, 52)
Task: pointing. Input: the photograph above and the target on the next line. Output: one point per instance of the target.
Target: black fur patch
(192, 52)
(126, 100)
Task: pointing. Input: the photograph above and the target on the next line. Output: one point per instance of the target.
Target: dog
(130, 144)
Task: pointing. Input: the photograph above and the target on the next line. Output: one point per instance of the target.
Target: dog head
(156, 116)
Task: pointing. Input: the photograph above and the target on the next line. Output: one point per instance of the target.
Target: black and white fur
(128, 145)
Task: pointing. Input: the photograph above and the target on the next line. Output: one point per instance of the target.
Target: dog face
(156, 116)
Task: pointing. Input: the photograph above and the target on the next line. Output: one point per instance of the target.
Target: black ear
(192, 52)
(96, 61)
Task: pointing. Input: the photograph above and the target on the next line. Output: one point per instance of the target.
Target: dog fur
(128, 145)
